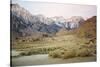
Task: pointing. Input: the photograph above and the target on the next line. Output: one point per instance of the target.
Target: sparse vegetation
(59, 48)
(69, 53)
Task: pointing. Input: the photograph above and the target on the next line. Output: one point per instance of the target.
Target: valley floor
(42, 59)
(43, 47)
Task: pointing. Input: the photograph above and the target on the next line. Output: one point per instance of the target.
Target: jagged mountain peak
(20, 12)
(23, 22)
(75, 19)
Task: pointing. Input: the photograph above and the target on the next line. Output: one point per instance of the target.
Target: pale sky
(57, 9)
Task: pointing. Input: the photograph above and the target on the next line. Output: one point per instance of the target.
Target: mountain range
(23, 23)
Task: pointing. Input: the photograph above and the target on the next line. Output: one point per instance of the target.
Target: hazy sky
(56, 9)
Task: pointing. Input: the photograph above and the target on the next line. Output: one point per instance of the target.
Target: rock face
(70, 23)
(23, 23)
(74, 22)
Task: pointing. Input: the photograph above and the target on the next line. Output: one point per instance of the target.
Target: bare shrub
(82, 52)
(68, 54)
(55, 54)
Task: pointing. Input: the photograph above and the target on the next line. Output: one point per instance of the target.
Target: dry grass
(83, 52)
(68, 54)
(61, 47)
(65, 53)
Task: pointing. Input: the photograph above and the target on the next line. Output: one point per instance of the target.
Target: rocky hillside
(23, 23)
(88, 29)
